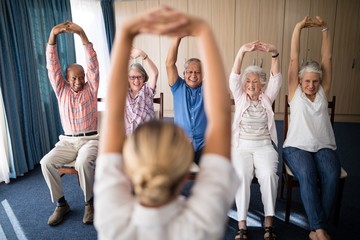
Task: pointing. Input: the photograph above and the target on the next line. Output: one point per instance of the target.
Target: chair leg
(288, 198)
(282, 184)
(338, 201)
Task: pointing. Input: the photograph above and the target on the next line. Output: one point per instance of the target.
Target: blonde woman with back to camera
(153, 162)
(310, 148)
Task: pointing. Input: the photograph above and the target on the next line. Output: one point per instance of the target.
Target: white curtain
(88, 15)
(6, 156)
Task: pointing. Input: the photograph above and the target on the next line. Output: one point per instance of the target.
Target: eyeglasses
(193, 72)
(140, 78)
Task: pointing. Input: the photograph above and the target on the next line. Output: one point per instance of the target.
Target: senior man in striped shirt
(77, 101)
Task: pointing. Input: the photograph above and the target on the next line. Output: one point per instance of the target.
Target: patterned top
(78, 111)
(242, 102)
(254, 122)
(139, 109)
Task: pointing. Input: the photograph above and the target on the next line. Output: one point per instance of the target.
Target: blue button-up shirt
(189, 111)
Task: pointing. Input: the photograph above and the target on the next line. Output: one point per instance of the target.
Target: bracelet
(324, 29)
(275, 56)
(145, 57)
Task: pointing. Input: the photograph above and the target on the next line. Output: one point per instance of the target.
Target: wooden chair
(160, 101)
(232, 102)
(70, 167)
(287, 177)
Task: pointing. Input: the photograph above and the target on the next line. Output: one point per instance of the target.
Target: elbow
(293, 59)
(169, 63)
(328, 58)
(156, 75)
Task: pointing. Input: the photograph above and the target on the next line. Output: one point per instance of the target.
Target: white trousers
(257, 158)
(82, 149)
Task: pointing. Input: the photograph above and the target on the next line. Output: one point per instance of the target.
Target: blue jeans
(318, 174)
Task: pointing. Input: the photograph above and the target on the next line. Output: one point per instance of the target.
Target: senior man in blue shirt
(187, 93)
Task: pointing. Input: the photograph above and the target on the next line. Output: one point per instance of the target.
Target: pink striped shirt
(78, 111)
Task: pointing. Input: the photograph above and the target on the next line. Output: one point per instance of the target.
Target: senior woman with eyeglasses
(139, 101)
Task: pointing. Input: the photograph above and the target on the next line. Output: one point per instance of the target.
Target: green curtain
(30, 104)
(107, 7)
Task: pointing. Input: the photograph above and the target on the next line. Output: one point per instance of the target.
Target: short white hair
(254, 69)
(310, 66)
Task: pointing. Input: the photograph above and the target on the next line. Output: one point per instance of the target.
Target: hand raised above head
(73, 28)
(249, 47)
(135, 53)
(66, 27)
(163, 20)
(60, 28)
(308, 22)
(321, 22)
(266, 47)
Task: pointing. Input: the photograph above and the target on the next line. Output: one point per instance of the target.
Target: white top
(203, 215)
(242, 102)
(310, 127)
(254, 122)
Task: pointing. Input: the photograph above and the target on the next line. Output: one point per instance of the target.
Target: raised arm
(76, 29)
(326, 56)
(153, 70)
(163, 21)
(216, 98)
(166, 21)
(275, 63)
(171, 69)
(293, 72)
(56, 30)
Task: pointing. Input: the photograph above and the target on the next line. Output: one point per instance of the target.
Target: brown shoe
(58, 215)
(88, 214)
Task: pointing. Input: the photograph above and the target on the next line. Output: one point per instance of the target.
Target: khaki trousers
(82, 149)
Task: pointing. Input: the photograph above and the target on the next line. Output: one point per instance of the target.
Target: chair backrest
(160, 101)
(331, 106)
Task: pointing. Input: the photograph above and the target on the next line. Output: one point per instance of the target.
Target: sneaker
(88, 214)
(58, 215)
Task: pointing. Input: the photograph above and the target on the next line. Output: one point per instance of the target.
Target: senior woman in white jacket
(253, 133)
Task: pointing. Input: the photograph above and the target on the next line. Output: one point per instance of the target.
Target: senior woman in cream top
(310, 147)
(253, 132)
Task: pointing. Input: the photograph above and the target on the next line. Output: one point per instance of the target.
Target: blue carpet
(29, 199)
(25, 203)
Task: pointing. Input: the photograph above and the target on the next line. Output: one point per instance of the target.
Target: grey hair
(141, 69)
(310, 66)
(253, 69)
(191, 60)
